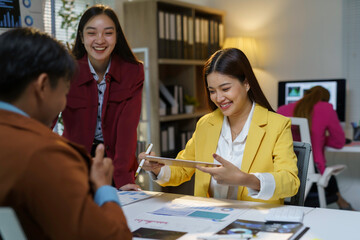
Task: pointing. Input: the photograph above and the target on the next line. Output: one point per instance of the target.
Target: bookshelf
(179, 37)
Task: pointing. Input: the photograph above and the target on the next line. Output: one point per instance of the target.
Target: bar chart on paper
(10, 14)
(128, 197)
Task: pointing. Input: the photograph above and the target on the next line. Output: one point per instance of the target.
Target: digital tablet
(180, 163)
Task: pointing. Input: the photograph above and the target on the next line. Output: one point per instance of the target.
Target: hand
(227, 174)
(150, 166)
(130, 187)
(101, 169)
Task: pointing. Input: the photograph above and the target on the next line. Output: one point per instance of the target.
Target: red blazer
(120, 113)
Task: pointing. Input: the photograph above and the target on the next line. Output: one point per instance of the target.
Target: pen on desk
(148, 150)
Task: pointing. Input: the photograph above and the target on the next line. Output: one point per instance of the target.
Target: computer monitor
(17, 13)
(292, 91)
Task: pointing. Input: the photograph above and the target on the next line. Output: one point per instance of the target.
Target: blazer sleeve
(57, 191)
(336, 137)
(127, 125)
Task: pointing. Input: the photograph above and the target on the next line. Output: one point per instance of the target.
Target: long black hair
(234, 63)
(122, 47)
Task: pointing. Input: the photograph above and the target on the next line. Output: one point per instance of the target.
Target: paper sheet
(192, 217)
(128, 197)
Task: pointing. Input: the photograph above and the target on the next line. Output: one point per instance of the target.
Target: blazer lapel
(254, 138)
(213, 134)
(209, 141)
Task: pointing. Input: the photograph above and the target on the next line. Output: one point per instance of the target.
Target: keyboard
(285, 214)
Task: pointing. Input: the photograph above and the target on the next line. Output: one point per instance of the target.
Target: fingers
(218, 173)
(220, 159)
(99, 153)
(130, 187)
(108, 164)
(150, 166)
(215, 172)
(142, 155)
(205, 169)
(212, 170)
(155, 164)
(101, 169)
(99, 159)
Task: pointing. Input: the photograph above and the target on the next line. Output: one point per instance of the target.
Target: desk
(349, 180)
(353, 147)
(325, 224)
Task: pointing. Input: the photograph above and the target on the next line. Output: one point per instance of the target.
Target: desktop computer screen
(292, 91)
(21, 13)
(10, 14)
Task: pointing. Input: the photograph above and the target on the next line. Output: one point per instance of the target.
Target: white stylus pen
(148, 150)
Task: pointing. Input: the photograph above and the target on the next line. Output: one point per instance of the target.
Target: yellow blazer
(269, 148)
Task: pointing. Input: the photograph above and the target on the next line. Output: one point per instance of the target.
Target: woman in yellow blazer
(256, 142)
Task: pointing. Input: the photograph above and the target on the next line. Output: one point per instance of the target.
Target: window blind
(52, 19)
(64, 35)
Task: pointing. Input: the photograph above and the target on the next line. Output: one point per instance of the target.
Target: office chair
(10, 228)
(301, 132)
(303, 153)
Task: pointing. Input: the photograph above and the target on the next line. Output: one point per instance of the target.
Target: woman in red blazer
(104, 101)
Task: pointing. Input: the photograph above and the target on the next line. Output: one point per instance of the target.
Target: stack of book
(173, 139)
(171, 100)
(177, 34)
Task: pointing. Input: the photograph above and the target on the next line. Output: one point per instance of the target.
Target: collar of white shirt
(226, 130)
(92, 70)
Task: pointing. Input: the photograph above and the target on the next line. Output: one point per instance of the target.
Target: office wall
(305, 40)
(352, 59)
(296, 39)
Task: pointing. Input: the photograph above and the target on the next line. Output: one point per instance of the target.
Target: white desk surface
(353, 147)
(325, 224)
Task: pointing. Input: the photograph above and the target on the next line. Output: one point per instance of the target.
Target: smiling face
(229, 94)
(99, 39)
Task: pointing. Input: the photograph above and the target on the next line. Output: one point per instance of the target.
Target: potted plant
(190, 103)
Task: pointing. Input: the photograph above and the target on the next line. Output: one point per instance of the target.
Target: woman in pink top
(325, 130)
